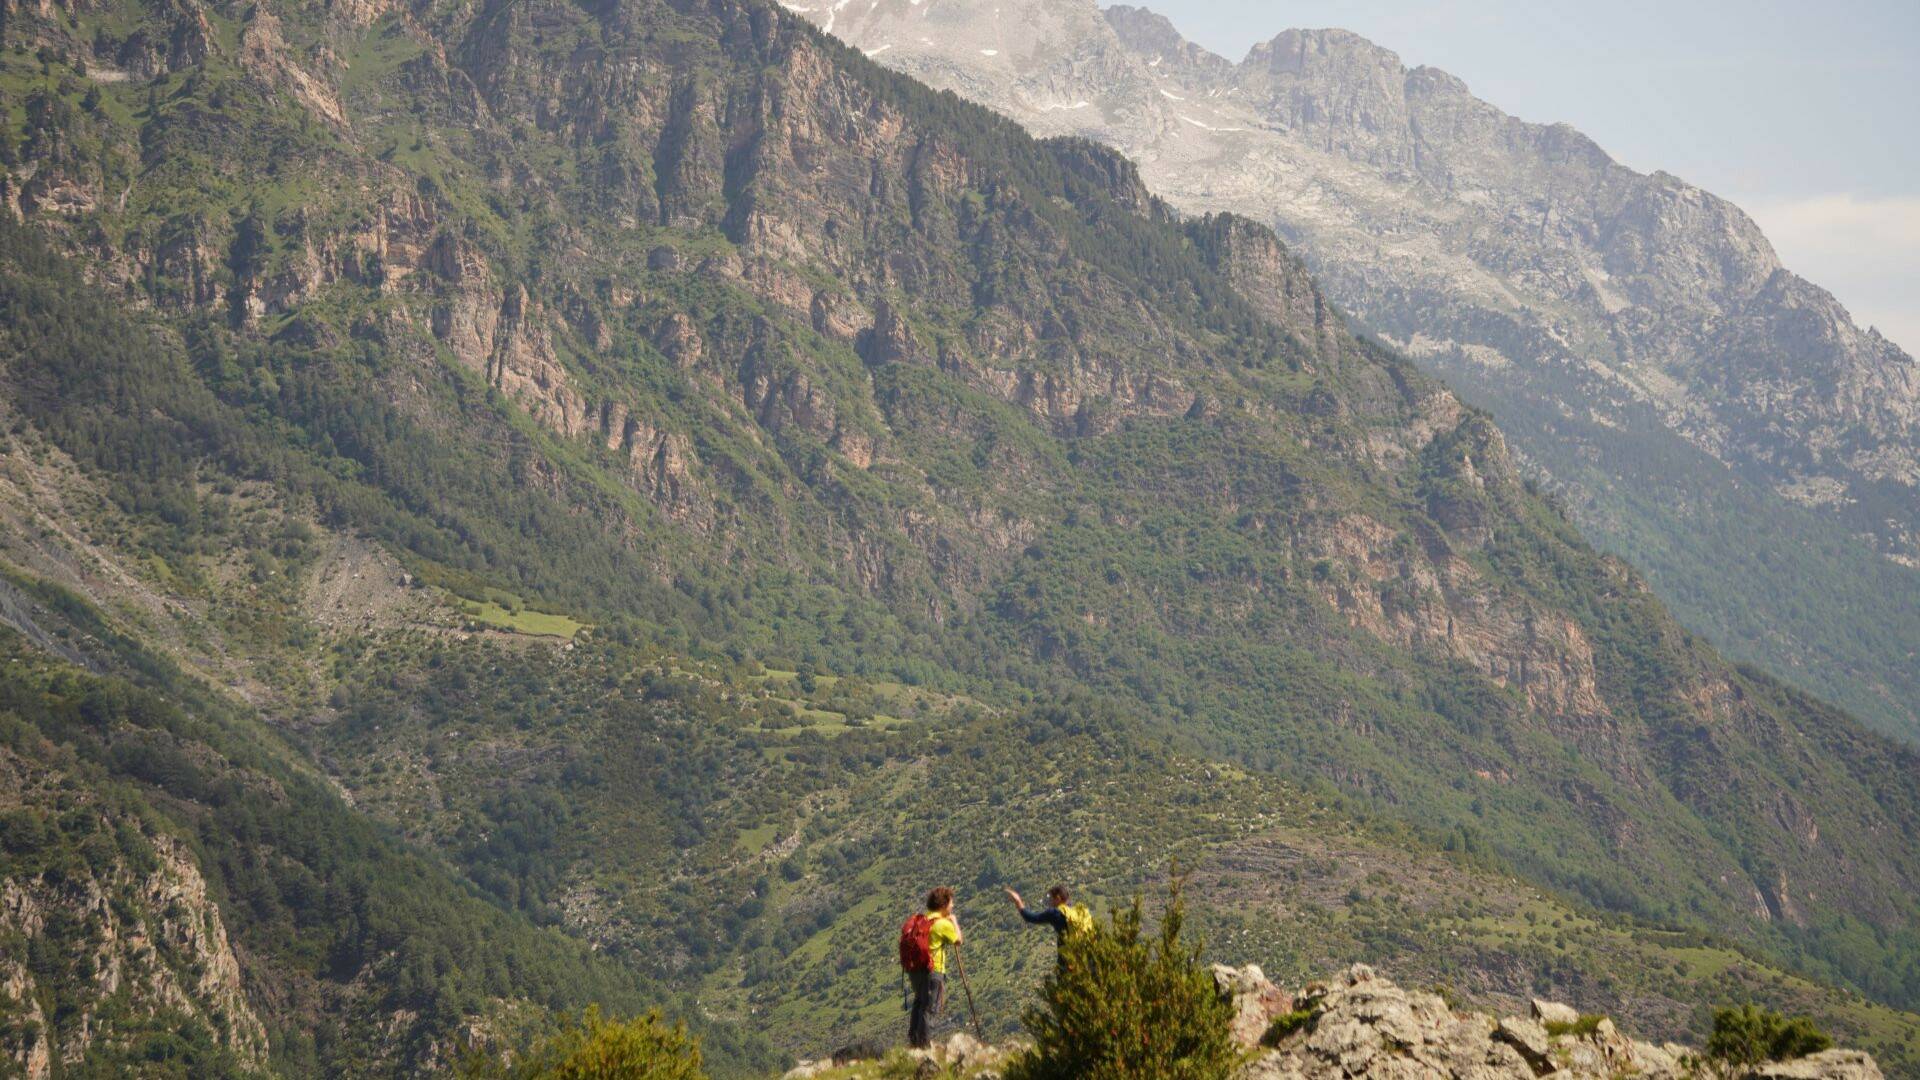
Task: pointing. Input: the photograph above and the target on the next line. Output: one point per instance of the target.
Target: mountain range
(1701, 409)
(515, 505)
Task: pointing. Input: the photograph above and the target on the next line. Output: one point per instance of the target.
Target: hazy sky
(1806, 114)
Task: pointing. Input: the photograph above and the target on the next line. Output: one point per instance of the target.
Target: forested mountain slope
(1704, 411)
(404, 329)
(185, 893)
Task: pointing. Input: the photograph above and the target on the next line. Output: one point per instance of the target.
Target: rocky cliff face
(1579, 298)
(771, 168)
(98, 956)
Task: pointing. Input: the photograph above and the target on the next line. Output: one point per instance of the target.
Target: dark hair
(938, 899)
(1058, 894)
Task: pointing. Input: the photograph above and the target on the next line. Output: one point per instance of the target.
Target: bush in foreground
(1748, 1036)
(1128, 1006)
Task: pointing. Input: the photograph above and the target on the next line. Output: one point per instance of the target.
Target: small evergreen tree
(596, 1048)
(1748, 1036)
(1127, 1006)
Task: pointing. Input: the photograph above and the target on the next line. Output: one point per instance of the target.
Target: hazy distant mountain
(1706, 411)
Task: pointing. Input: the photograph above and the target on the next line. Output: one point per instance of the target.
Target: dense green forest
(545, 530)
(359, 925)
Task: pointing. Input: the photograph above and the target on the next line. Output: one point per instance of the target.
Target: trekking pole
(960, 966)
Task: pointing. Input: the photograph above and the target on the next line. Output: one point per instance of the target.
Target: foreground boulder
(1257, 1002)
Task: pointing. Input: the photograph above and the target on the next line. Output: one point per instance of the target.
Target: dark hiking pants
(929, 994)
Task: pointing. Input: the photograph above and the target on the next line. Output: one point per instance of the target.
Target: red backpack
(916, 943)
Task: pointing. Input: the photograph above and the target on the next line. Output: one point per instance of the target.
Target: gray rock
(1829, 1065)
(1256, 1001)
(1552, 1012)
(962, 1045)
(1529, 1037)
(865, 1050)
(1250, 1021)
(1657, 1063)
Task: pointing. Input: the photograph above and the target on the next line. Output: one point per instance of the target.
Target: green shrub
(1286, 1025)
(596, 1048)
(1579, 1029)
(1124, 1005)
(1748, 1036)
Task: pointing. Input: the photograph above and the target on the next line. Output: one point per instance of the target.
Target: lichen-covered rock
(154, 943)
(1530, 1038)
(1257, 1002)
(1365, 1026)
(1552, 1012)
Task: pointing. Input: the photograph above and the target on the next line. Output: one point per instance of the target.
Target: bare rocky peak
(1026, 58)
(1013, 32)
(1332, 86)
(1150, 36)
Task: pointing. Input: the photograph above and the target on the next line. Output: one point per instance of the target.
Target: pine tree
(1127, 1006)
(1748, 1036)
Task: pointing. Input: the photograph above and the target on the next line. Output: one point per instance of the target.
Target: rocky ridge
(1361, 1024)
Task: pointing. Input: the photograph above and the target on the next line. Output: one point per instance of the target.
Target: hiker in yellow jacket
(1059, 913)
(930, 986)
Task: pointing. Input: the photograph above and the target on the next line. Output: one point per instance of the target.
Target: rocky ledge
(1363, 1025)
(958, 1055)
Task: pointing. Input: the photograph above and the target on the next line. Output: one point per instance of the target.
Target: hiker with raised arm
(926, 941)
(1060, 913)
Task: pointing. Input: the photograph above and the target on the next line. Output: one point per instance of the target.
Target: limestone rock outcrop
(156, 942)
(1362, 1026)
(959, 1054)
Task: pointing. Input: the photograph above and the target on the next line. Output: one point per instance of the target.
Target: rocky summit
(1637, 336)
(1361, 1024)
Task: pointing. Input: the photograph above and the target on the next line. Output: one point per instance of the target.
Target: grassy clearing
(755, 840)
(521, 620)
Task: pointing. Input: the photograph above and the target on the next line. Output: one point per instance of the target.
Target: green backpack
(1079, 919)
